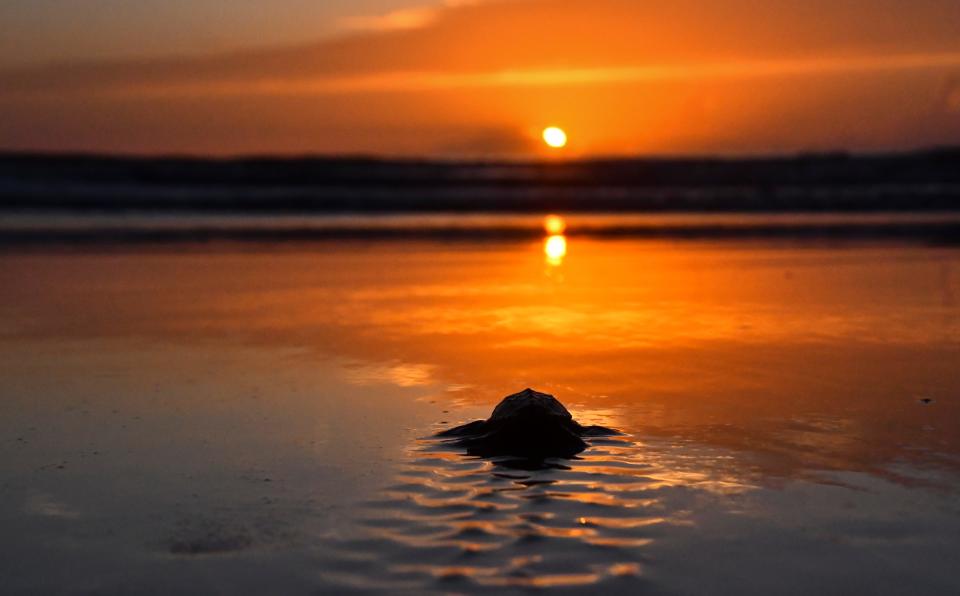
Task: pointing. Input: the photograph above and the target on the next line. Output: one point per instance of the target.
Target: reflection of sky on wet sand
(743, 375)
(805, 354)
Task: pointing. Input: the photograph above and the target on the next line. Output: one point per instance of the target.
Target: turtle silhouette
(527, 424)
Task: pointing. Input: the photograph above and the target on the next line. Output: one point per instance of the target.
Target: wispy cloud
(405, 18)
(393, 82)
(625, 76)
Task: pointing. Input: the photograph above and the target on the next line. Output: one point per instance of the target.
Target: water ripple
(449, 520)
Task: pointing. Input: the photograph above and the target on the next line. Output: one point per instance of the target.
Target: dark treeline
(928, 180)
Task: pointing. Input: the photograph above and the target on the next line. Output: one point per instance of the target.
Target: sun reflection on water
(555, 249)
(554, 225)
(555, 244)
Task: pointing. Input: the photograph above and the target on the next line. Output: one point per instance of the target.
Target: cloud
(426, 81)
(407, 18)
(552, 42)
(624, 75)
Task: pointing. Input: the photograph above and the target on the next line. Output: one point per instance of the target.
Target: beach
(242, 415)
(480, 297)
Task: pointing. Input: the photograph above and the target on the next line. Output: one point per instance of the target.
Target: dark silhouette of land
(920, 181)
(90, 199)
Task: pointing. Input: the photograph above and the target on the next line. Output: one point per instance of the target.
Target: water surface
(257, 417)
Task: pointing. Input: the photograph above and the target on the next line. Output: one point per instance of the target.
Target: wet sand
(257, 418)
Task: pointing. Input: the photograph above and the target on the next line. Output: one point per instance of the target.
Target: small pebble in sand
(926, 400)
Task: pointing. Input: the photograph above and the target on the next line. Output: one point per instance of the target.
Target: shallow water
(257, 418)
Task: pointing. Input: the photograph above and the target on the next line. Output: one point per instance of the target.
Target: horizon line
(93, 154)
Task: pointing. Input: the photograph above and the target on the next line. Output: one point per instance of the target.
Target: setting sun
(555, 137)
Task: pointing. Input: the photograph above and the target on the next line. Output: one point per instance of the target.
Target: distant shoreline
(917, 181)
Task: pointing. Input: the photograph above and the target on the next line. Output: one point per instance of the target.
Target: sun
(555, 137)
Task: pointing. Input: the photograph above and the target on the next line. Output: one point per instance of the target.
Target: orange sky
(483, 78)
